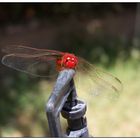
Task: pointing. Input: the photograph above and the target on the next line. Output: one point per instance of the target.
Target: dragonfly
(48, 63)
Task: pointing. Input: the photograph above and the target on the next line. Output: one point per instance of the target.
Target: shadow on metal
(64, 100)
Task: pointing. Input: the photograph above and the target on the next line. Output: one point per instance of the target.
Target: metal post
(74, 111)
(64, 100)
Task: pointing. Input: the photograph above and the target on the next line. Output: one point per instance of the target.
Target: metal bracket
(64, 100)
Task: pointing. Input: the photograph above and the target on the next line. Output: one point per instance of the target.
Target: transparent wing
(96, 81)
(37, 65)
(20, 49)
(38, 62)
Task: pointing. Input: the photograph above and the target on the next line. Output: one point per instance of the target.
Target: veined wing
(20, 49)
(38, 62)
(98, 82)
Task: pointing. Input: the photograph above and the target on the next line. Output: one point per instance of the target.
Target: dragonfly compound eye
(70, 61)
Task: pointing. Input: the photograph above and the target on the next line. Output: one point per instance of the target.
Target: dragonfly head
(69, 61)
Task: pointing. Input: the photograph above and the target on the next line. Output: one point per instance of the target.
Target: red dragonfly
(47, 63)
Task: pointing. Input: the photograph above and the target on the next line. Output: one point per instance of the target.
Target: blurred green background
(105, 34)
